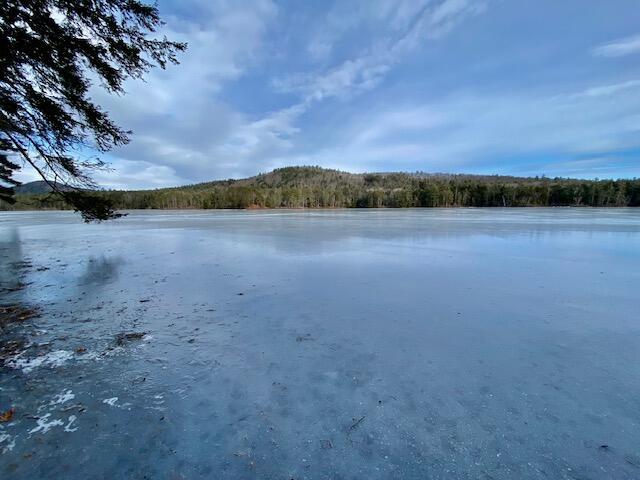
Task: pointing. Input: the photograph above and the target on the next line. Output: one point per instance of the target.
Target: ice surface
(373, 344)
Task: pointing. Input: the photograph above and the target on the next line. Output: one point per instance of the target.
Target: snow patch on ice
(58, 399)
(62, 397)
(9, 440)
(44, 425)
(110, 401)
(53, 359)
(72, 419)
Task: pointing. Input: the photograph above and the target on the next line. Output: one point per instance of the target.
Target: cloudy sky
(480, 86)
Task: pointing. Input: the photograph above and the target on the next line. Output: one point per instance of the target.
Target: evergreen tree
(49, 52)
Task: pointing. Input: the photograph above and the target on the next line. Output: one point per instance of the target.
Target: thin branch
(23, 152)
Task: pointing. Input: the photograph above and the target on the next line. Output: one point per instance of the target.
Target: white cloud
(178, 119)
(449, 13)
(348, 78)
(26, 174)
(138, 175)
(619, 48)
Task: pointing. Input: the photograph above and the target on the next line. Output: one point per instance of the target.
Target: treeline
(314, 187)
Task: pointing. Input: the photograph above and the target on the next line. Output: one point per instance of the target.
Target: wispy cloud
(408, 29)
(619, 48)
(606, 90)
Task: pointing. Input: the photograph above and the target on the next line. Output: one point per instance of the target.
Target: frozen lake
(377, 344)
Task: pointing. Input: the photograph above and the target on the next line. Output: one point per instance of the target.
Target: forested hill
(315, 187)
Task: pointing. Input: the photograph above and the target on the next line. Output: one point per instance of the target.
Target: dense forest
(315, 187)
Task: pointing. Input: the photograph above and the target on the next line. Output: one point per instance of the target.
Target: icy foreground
(453, 344)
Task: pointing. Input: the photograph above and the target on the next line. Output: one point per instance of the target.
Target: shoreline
(301, 209)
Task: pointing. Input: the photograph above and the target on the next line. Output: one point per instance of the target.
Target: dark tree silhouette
(50, 52)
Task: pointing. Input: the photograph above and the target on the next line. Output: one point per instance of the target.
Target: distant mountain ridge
(37, 187)
(31, 188)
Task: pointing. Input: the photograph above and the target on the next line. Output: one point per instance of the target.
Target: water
(453, 344)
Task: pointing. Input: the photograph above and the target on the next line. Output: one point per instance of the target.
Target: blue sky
(513, 87)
